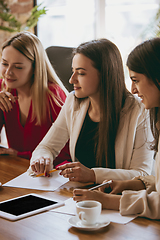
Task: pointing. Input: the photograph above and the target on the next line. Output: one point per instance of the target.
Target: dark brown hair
(145, 59)
(106, 58)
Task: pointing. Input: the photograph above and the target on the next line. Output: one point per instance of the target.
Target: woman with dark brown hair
(106, 124)
(144, 195)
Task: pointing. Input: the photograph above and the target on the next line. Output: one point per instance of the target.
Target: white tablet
(26, 205)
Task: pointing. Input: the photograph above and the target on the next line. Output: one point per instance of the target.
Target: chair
(61, 60)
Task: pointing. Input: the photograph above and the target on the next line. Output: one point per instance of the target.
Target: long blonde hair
(31, 47)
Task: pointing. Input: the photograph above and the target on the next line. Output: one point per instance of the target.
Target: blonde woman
(31, 95)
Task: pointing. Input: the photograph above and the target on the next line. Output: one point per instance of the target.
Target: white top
(132, 154)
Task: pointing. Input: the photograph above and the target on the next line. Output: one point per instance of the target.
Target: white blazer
(144, 203)
(132, 154)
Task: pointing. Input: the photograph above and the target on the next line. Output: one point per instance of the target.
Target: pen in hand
(100, 185)
(42, 174)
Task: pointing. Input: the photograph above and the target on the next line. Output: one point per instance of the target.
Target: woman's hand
(8, 151)
(117, 187)
(6, 100)
(109, 201)
(77, 172)
(41, 165)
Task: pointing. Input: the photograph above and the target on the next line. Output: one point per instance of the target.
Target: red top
(25, 139)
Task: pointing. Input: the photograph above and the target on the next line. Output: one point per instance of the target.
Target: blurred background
(125, 22)
(68, 23)
(71, 22)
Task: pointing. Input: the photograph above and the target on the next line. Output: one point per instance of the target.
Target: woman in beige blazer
(140, 195)
(107, 126)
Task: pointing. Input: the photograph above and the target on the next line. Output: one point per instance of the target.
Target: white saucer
(75, 222)
(0, 184)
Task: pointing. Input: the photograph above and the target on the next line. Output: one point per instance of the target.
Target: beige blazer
(132, 155)
(145, 203)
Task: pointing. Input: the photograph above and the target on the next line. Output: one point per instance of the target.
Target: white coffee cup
(88, 211)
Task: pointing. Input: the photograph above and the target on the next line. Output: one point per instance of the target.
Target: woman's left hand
(84, 194)
(77, 172)
(109, 201)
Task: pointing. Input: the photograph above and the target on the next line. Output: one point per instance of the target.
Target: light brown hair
(31, 47)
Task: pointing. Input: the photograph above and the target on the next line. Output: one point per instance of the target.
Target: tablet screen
(25, 204)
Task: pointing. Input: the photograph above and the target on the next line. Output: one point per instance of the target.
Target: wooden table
(51, 225)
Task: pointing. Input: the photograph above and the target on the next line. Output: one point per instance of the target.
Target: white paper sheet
(40, 183)
(113, 216)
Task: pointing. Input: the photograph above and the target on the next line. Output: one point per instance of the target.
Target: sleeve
(63, 157)
(148, 181)
(140, 203)
(140, 158)
(55, 139)
(145, 203)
